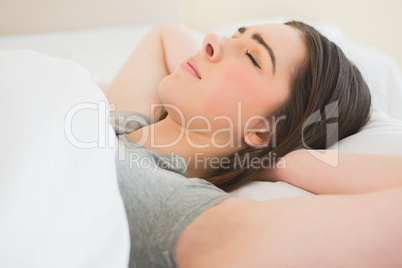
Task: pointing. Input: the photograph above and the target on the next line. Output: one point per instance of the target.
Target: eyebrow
(257, 37)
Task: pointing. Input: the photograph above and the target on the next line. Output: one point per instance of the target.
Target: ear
(258, 138)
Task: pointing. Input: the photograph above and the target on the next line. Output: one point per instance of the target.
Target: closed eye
(253, 60)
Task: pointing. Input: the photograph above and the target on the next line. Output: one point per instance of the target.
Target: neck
(168, 136)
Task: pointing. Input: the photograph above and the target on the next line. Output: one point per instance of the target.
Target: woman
(256, 94)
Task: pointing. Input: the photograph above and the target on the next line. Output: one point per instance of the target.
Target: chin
(167, 89)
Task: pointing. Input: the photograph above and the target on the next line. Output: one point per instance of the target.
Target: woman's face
(235, 80)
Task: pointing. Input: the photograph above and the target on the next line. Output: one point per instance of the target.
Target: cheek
(233, 85)
(239, 80)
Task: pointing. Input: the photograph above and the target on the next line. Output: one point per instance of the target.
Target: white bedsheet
(59, 204)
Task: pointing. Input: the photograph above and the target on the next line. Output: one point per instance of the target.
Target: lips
(191, 66)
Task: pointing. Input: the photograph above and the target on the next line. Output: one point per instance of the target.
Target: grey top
(159, 199)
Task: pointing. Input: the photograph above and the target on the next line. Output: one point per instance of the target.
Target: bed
(60, 205)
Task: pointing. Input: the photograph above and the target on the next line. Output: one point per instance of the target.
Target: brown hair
(326, 82)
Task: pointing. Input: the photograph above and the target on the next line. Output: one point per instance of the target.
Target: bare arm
(354, 172)
(158, 54)
(361, 230)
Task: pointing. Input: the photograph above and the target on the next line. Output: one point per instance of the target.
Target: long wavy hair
(326, 82)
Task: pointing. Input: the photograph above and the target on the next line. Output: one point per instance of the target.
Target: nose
(212, 47)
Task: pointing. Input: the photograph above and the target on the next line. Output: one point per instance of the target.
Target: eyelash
(253, 59)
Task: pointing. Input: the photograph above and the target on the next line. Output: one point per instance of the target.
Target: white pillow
(100, 50)
(59, 204)
(382, 135)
